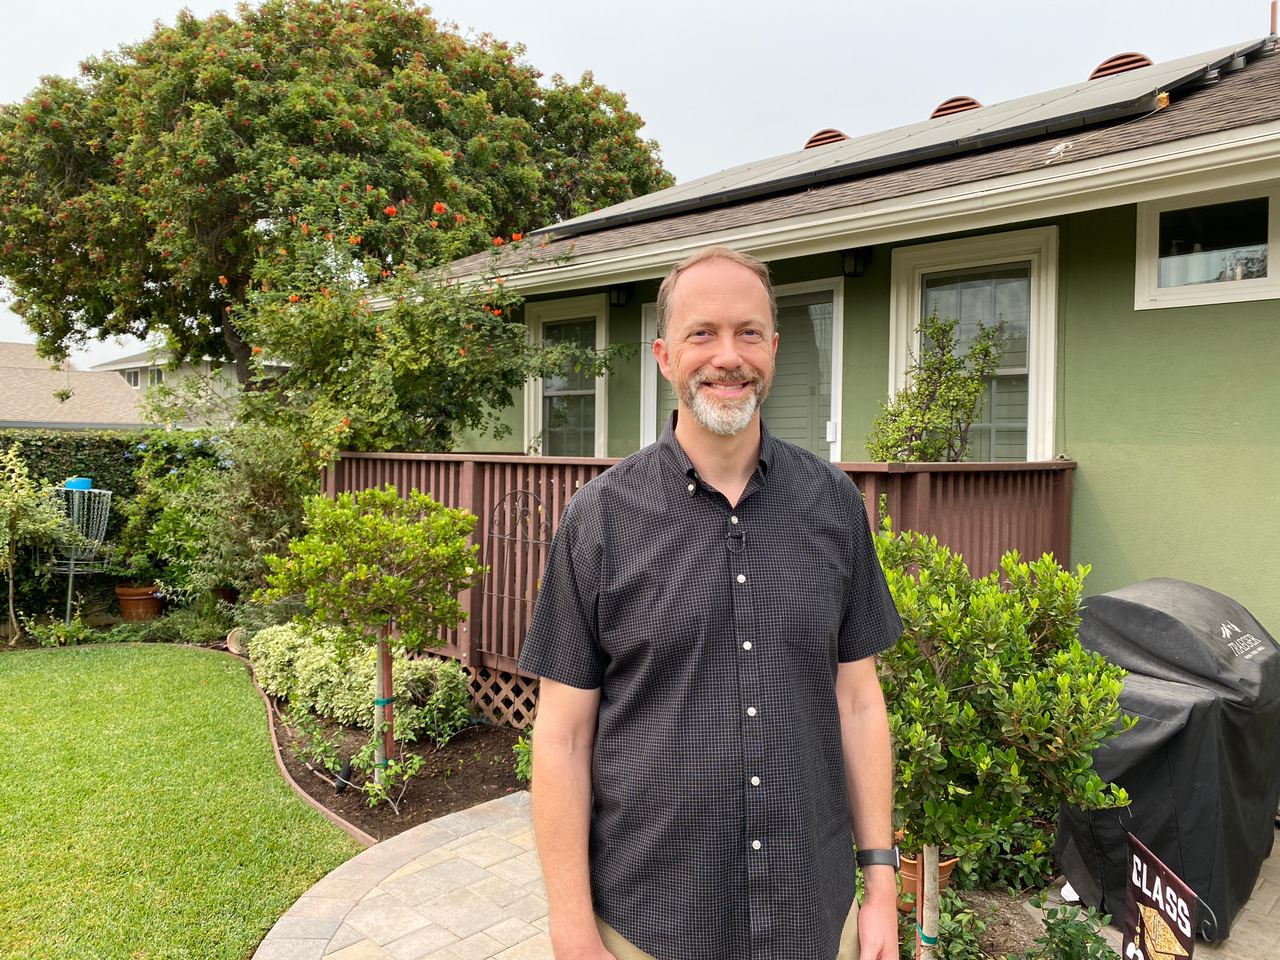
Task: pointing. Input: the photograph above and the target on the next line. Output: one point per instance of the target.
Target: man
(710, 725)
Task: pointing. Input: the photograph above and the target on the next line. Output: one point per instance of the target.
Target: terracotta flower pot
(907, 879)
(138, 603)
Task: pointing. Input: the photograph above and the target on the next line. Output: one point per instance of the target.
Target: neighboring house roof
(23, 356)
(1240, 92)
(27, 386)
(150, 357)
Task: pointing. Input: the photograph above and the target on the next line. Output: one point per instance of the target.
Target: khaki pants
(623, 949)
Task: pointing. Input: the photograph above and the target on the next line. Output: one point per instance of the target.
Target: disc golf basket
(81, 540)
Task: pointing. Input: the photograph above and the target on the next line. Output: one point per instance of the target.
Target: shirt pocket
(812, 605)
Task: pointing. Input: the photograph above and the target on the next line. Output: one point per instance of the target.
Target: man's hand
(578, 942)
(878, 923)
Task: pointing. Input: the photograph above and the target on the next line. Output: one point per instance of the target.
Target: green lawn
(141, 813)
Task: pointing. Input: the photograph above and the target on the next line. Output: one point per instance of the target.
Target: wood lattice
(504, 697)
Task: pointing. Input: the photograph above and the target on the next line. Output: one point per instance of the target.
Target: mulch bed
(475, 766)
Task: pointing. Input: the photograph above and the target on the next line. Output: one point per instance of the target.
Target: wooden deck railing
(978, 509)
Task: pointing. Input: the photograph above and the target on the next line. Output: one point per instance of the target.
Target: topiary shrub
(318, 673)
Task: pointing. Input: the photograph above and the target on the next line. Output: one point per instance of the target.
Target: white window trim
(537, 316)
(1039, 246)
(651, 380)
(1147, 295)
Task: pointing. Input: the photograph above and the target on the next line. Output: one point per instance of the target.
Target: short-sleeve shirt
(720, 822)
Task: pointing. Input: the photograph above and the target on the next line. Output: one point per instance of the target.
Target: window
(983, 280)
(565, 413)
(155, 376)
(132, 377)
(1208, 248)
(985, 296)
(804, 402)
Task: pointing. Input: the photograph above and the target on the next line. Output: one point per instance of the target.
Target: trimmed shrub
(317, 673)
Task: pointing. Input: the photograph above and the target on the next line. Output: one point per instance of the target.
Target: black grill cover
(1202, 766)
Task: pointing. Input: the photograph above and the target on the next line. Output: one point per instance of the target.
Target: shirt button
(746, 644)
(756, 844)
(733, 519)
(742, 578)
(755, 781)
(692, 487)
(751, 711)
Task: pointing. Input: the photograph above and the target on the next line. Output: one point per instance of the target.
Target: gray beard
(722, 419)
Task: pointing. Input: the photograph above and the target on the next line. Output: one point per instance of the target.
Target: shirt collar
(675, 457)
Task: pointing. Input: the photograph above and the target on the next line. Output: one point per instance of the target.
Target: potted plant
(994, 707)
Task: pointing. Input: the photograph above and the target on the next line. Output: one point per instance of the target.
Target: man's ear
(775, 343)
(663, 356)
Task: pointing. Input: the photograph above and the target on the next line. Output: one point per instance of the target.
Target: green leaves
(994, 706)
(153, 195)
(374, 558)
(929, 419)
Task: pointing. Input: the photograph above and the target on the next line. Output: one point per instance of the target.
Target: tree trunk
(927, 903)
(239, 350)
(379, 718)
(13, 617)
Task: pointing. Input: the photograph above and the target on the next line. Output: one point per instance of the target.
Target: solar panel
(1094, 101)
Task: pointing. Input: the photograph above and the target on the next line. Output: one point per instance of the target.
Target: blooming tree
(178, 175)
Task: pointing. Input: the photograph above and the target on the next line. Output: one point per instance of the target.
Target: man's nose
(728, 354)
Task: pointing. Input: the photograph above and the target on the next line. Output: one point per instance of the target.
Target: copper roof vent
(824, 137)
(954, 105)
(1120, 63)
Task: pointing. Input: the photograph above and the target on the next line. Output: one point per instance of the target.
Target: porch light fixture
(854, 262)
(619, 295)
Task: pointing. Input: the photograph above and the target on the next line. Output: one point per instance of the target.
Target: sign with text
(1159, 910)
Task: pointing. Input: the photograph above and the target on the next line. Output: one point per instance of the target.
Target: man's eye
(752, 334)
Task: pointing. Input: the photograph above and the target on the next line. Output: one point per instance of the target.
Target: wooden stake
(927, 898)
(388, 687)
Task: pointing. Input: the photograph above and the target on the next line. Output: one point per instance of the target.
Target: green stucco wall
(1173, 415)
(1174, 418)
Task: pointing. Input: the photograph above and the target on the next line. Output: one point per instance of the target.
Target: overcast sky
(725, 83)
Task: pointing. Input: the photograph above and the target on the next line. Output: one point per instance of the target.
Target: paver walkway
(464, 887)
(468, 887)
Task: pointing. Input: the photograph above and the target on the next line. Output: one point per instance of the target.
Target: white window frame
(1148, 295)
(1037, 246)
(651, 380)
(537, 316)
(132, 377)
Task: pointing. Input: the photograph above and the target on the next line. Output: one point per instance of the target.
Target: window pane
(1213, 244)
(581, 332)
(985, 296)
(569, 425)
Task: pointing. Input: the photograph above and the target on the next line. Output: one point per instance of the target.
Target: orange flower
(378, 329)
(498, 241)
(433, 224)
(284, 251)
(257, 349)
(294, 298)
(223, 281)
(353, 239)
(458, 218)
(305, 230)
(462, 351)
(517, 237)
(368, 188)
(390, 210)
(500, 280)
(497, 313)
(438, 207)
(346, 421)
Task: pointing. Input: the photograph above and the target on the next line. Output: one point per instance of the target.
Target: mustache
(740, 375)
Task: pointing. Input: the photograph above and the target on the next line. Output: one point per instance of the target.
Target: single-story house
(31, 390)
(1121, 227)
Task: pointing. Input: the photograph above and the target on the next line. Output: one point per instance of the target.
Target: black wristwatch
(880, 858)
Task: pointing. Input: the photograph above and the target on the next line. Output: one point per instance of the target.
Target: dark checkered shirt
(720, 825)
